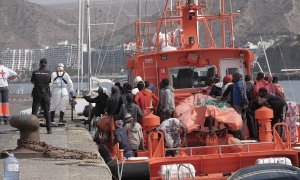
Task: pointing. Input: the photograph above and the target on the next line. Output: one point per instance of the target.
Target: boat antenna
(293, 93)
(114, 28)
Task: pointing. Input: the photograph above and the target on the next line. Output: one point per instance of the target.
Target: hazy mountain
(29, 25)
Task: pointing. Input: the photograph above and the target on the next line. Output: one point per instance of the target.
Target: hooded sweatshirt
(114, 102)
(135, 135)
(144, 100)
(259, 84)
(133, 109)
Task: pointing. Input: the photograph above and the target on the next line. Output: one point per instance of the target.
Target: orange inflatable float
(193, 111)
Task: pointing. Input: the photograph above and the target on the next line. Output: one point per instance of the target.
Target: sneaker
(49, 132)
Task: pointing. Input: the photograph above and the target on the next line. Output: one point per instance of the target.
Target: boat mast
(79, 46)
(89, 44)
(222, 12)
(138, 28)
(82, 39)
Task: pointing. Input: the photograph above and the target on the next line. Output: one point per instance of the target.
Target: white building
(22, 59)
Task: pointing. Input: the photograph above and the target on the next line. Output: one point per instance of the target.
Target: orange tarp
(193, 116)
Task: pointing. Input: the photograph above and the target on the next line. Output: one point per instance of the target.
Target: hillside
(29, 25)
(284, 54)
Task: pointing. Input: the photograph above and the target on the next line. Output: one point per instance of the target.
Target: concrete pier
(73, 136)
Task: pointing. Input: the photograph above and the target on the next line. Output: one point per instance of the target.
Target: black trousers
(43, 100)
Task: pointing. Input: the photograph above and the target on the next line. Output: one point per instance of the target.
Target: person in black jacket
(41, 92)
(114, 102)
(278, 105)
(100, 101)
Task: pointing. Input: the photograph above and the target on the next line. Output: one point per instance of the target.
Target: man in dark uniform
(41, 92)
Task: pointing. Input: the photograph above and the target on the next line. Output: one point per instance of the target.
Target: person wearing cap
(134, 133)
(136, 80)
(100, 101)
(216, 89)
(144, 98)
(121, 137)
(6, 75)
(41, 79)
(130, 108)
(60, 82)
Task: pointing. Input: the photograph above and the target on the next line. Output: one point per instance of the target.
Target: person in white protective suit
(60, 82)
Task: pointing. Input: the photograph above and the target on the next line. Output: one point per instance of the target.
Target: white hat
(60, 65)
(138, 79)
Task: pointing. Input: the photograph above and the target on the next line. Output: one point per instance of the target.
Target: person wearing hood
(127, 89)
(216, 89)
(278, 105)
(114, 102)
(166, 97)
(227, 80)
(260, 82)
(134, 133)
(41, 79)
(60, 82)
(100, 101)
(121, 137)
(144, 98)
(130, 108)
(272, 87)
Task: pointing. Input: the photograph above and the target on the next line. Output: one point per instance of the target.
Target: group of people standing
(246, 96)
(128, 105)
(50, 92)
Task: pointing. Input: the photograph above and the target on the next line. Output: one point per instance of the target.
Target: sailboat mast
(79, 45)
(89, 44)
(82, 38)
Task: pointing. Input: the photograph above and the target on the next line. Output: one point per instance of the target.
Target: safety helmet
(138, 79)
(60, 65)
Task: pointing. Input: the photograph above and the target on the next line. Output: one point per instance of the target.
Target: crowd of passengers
(128, 105)
(247, 95)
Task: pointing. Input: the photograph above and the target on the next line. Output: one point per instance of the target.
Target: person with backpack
(129, 107)
(60, 82)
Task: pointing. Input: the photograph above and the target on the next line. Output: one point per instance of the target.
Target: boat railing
(190, 149)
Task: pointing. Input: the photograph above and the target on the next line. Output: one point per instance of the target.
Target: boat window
(188, 77)
(232, 71)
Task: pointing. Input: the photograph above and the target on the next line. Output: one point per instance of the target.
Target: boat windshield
(190, 77)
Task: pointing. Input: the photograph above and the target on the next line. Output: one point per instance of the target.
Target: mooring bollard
(28, 126)
(264, 117)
